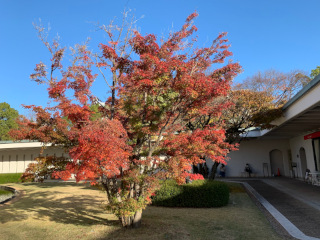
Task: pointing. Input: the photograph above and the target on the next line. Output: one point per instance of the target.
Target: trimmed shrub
(10, 177)
(168, 194)
(198, 194)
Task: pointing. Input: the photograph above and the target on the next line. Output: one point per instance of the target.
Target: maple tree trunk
(113, 94)
(214, 170)
(137, 219)
(134, 221)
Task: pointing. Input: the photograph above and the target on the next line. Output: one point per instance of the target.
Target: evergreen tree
(8, 118)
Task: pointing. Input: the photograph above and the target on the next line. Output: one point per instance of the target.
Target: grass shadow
(60, 185)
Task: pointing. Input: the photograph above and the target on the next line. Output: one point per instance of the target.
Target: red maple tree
(139, 135)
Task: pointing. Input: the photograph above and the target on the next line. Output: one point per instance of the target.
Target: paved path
(293, 203)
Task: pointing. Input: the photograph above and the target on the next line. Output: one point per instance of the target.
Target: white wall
(255, 152)
(15, 160)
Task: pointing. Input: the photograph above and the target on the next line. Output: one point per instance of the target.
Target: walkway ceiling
(303, 124)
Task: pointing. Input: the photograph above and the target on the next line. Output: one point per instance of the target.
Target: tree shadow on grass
(78, 209)
(60, 184)
(157, 223)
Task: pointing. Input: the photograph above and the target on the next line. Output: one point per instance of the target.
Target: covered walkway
(293, 203)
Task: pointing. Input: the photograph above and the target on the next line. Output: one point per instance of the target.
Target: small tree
(140, 134)
(315, 72)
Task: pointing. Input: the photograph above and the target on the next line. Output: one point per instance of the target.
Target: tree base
(132, 222)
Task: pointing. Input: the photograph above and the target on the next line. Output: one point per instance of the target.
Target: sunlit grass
(10, 177)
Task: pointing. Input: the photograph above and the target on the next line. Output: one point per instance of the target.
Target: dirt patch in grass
(74, 211)
(235, 187)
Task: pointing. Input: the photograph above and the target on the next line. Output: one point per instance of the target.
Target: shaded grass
(74, 211)
(10, 178)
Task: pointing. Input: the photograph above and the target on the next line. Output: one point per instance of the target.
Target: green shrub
(168, 194)
(198, 194)
(10, 177)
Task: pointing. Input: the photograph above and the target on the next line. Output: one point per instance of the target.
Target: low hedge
(10, 177)
(198, 194)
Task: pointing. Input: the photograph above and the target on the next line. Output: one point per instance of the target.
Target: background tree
(238, 112)
(140, 134)
(315, 72)
(8, 118)
(248, 109)
(255, 102)
(278, 85)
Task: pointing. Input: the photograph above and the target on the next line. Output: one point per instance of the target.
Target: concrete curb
(16, 196)
(10, 189)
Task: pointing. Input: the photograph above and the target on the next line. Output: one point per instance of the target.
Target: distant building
(15, 156)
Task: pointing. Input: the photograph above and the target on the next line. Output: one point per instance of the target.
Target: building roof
(24, 144)
(302, 92)
(301, 114)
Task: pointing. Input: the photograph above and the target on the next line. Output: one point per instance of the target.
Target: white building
(15, 156)
(290, 148)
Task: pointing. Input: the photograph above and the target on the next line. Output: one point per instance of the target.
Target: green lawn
(10, 177)
(74, 211)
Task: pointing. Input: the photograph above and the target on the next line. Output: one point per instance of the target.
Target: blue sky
(278, 34)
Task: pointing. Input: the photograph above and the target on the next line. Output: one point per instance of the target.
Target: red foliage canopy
(140, 135)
